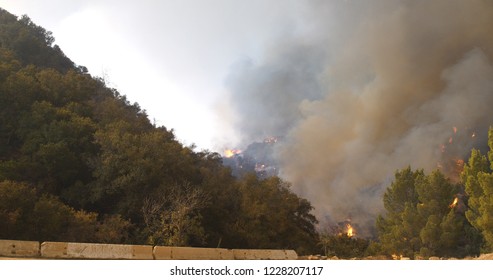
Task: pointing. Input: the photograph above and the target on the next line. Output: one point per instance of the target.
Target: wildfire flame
(454, 203)
(230, 153)
(350, 231)
(455, 130)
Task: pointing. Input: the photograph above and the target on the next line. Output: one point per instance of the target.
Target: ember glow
(230, 153)
(350, 231)
(454, 203)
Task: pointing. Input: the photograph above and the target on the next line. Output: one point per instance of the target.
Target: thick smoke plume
(363, 88)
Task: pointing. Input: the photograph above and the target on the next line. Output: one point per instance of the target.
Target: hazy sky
(170, 56)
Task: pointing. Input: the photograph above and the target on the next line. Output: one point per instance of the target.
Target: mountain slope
(79, 162)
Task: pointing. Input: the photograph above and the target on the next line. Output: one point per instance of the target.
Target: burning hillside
(257, 158)
(231, 153)
(451, 160)
(362, 89)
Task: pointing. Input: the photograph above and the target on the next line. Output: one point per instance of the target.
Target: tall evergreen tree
(420, 220)
(398, 230)
(478, 180)
(434, 193)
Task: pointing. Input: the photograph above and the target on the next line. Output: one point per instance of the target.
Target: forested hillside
(79, 162)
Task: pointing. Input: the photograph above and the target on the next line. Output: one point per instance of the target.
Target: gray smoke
(367, 88)
(267, 96)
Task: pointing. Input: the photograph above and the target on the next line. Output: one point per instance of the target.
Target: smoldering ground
(363, 88)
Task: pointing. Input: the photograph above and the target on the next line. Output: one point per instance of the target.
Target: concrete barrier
(264, 254)
(66, 250)
(54, 250)
(291, 255)
(189, 253)
(17, 248)
(485, 257)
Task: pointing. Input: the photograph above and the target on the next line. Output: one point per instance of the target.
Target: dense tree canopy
(478, 180)
(422, 220)
(79, 162)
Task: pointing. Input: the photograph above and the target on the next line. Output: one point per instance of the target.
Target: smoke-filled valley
(359, 89)
(365, 132)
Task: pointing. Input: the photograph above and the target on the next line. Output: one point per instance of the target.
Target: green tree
(133, 165)
(435, 193)
(56, 146)
(398, 230)
(16, 205)
(31, 43)
(458, 237)
(420, 220)
(478, 180)
(485, 219)
(27, 215)
(272, 216)
(477, 164)
(221, 212)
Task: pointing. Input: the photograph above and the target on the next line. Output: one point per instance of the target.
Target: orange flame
(473, 135)
(455, 130)
(454, 203)
(350, 231)
(229, 153)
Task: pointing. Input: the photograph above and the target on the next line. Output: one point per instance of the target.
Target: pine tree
(420, 220)
(398, 230)
(478, 180)
(435, 192)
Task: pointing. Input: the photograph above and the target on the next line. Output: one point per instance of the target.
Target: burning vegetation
(345, 228)
(341, 241)
(451, 162)
(394, 87)
(350, 231)
(231, 153)
(258, 158)
(454, 203)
